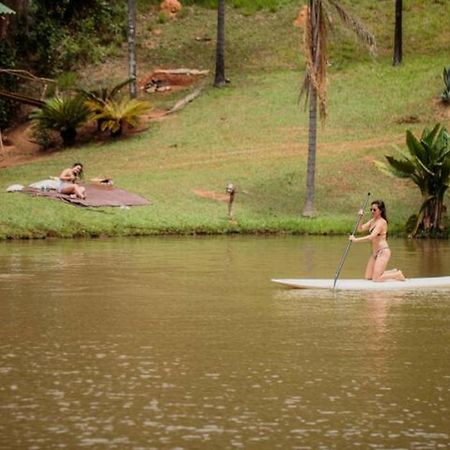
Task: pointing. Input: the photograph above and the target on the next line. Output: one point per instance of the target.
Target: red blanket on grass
(96, 195)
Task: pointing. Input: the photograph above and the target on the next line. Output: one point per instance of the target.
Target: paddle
(341, 263)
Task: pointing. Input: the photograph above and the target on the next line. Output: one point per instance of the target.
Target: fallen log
(184, 101)
(21, 98)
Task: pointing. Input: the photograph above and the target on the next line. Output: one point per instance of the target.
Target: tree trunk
(219, 79)
(308, 210)
(68, 136)
(398, 33)
(132, 46)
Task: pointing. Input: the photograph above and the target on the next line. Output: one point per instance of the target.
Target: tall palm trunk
(308, 209)
(315, 11)
(219, 79)
(132, 46)
(398, 51)
(315, 81)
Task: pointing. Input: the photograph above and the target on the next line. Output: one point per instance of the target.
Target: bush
(60, 35)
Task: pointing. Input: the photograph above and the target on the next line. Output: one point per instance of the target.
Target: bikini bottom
(379, 252)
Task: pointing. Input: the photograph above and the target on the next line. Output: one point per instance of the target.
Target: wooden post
(231, 191)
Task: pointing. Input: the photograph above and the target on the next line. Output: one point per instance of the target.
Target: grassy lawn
(254, 134)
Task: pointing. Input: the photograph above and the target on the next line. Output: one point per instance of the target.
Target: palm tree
(427, 163)
(219, 79)
(62, 114)
(314, 84)
(116, 114)
(398, 32)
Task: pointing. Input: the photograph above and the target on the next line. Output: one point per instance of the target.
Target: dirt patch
(161, 80)
(407, 119)
(211, 195)
(18, 146)
(442, 110)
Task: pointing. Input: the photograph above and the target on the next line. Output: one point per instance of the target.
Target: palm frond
(116, 89)
(355, 25)
(315, 52)
(115, 114)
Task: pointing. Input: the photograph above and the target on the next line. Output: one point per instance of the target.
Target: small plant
(116, 114)
(62, 114)
(446, 93)
(163, 17)
(42, 137)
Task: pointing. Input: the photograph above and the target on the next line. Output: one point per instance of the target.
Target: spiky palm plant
(315, 80)
(96, 98)
(116, 114)
(62, 114)
(426, 162)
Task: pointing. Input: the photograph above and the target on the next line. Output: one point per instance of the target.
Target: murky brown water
(184, 343)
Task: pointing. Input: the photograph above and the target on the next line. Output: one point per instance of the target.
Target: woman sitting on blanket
(68, 181)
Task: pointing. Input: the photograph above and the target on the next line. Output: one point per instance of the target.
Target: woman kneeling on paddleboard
(381, 253)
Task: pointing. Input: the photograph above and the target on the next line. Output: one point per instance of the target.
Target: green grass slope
(254, 132)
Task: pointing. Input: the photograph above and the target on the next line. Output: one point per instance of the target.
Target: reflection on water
(185, 344)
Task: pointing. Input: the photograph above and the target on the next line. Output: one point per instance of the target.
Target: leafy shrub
(42, 137)
(163, 17)
(59, 35)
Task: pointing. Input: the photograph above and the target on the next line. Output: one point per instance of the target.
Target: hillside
(253, 132)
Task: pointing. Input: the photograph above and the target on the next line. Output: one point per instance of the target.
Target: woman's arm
(67, 175)
(374, 233)
(364, 226)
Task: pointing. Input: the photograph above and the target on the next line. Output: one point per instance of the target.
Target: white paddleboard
(362, 285)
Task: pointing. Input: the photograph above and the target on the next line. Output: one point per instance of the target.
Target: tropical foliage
(446, 93)
(62, 114)
(115, 114)
(426, 161)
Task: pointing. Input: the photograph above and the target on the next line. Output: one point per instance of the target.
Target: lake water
(184, 343)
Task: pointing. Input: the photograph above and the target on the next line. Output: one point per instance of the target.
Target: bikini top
(379, 234)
